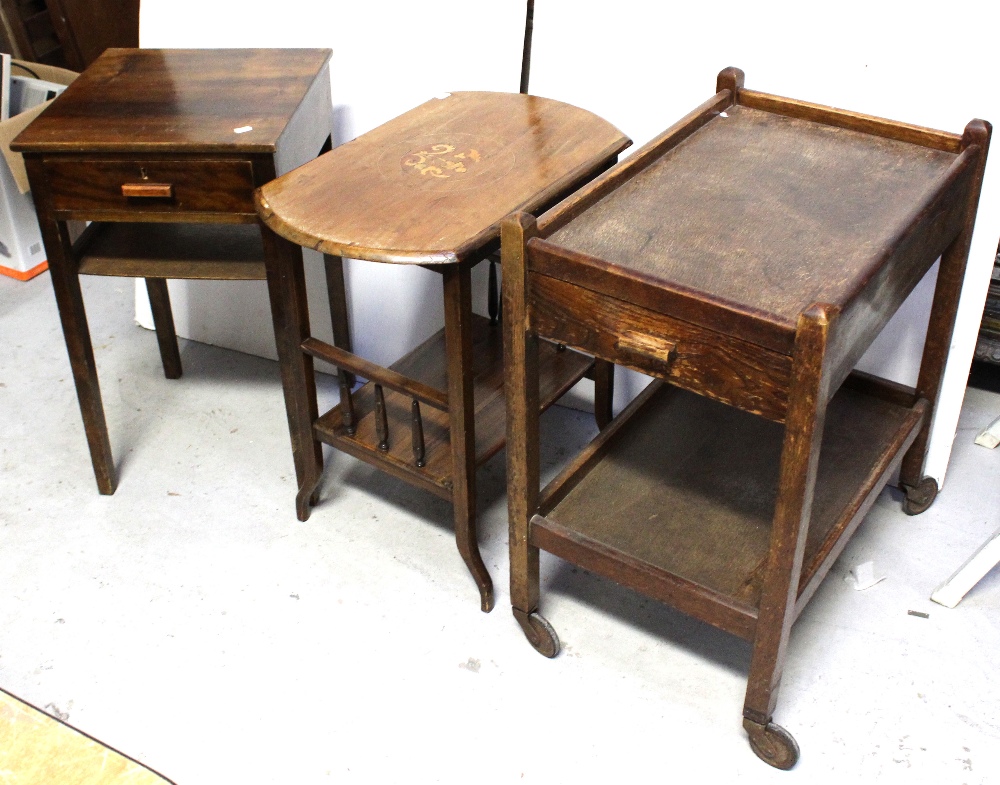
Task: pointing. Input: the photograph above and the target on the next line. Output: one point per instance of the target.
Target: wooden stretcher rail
(852, 516)
(376, 373)
(577, 469)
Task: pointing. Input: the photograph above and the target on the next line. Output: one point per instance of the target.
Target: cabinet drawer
(101, 188)
(736, 372)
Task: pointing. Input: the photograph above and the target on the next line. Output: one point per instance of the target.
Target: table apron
(727, 369)
(103, 189)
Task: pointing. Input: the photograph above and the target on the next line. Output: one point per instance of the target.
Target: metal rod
(529, 25)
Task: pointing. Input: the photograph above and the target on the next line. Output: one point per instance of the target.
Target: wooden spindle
(381, 421)
(417, 434)
(493, 295)
(347, 405)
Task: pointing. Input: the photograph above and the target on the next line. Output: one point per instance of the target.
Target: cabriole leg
(461, 414)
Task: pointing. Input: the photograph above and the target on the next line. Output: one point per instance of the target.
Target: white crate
(22, 254)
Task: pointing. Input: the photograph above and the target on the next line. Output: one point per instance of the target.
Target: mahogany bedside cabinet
(161, 150)
(746, 258)
(427, 188)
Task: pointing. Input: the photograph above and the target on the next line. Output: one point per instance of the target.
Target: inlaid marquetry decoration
(443, 160)
(452, 161)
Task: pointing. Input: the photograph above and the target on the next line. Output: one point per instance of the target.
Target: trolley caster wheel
(920, 496)
(538, 632)
(772, 744)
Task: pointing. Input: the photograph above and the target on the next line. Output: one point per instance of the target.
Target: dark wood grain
(154, 100)
(96, 185)
(429, 361)
(941, 325)
(842, 118)
(163, 321)
(782, 200)
(748, 259)
(728, 369)
(162, 150)
(430, 188)
(521, 396)
(172, 250)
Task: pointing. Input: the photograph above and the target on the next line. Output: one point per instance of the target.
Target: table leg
(604, 392)
(521, 390)
(337, 294)
(920, 490)
(793, 509)
(163, 320)
(461, 414)
(290, 313)
(69, 299)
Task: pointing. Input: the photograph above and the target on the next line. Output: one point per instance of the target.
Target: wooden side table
(162, 150)
(746, 258)
(427, 188)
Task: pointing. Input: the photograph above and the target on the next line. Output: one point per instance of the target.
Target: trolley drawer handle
(148, 190)
(638, 346)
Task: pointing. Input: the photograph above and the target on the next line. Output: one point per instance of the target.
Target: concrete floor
(192, 622)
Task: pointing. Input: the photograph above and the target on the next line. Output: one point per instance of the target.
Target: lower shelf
(225, 252)
(676, 500)
(558, 371)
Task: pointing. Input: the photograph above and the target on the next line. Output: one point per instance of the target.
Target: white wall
(640, 65)
(388, 57)
(653, 62)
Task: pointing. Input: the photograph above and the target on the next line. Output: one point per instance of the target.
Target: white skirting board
(951, 592)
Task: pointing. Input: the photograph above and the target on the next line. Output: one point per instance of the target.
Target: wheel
(772, 744)
(920, 496)
(538, 632)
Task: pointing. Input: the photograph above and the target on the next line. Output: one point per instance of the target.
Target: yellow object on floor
(36, 749)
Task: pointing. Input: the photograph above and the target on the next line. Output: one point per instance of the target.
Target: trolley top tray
(742, 216)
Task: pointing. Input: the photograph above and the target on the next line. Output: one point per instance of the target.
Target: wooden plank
(760, 212)
(559, 370)
(190, 100)
(855, 121)
(705, 474)
(687, 596)
(376, 373)
(951, 592)
(232, 252)
(472, 156)
(726, 368)
(663, 296)
(835, 522)
(591, 455)
(600, 187)
(900, 265)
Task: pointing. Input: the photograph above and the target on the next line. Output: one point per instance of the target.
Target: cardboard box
(22, 254)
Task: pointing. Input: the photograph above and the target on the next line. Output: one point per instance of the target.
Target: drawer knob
(639, 345)
(148, 190)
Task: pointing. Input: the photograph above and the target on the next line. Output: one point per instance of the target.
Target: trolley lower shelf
(676, 497)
